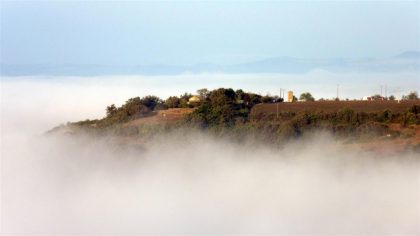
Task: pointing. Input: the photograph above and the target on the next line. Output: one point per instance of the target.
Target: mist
(185, 182)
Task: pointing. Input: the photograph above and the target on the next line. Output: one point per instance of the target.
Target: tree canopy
(307, 97)
(411, 96)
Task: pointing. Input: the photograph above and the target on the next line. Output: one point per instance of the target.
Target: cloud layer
(194, 184)
(186, 183)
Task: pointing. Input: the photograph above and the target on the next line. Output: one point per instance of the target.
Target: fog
(60, 99)
(185, 182)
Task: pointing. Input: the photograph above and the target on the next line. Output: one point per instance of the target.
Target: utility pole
(338, 99)
(277, 106)
(280, 94)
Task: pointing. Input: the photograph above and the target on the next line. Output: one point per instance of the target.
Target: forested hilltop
(240, 115)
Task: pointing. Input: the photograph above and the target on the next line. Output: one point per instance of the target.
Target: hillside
(242, 116)
(168, 116)
(334, 106)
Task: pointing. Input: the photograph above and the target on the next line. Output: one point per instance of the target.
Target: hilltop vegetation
(239, 114)
(218, 107)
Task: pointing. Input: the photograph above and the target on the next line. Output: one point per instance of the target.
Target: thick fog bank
(196, 184)
(189, 183)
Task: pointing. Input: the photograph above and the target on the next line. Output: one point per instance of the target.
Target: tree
(239, 95)
(307, 97)
(391, 98)
(172, 102)
(411, 96)
(276, 98)
(251, 99)
(134, 107)
(137, 110)
(221, 108)
(222, 96)
(267, 99)
(185, 96)
(377, 97)
(111, 110)
(203, 93)
(151, 101)
(183, 103)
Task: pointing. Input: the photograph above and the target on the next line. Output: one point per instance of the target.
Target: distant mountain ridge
(406, 61)
(409, 55)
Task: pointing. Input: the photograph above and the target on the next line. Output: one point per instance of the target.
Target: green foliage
(307, 97)
(409, 118)
(346, 115)
(411, 96)
(151, 101)
(271, 99)
(183, 103)
(203, 93)
(224, 107)
(377, 97)
(185, 96)
(222, 96)
(133, 108)
(251, 99)
(111, 110)
(172, 102)
(239, 95)
(387, 115)
(224, 111)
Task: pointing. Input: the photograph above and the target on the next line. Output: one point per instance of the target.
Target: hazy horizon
(187, 33)
(225, 161)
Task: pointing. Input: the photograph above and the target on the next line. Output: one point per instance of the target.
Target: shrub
(415, 109)
(385, 116)
(172, 102)
(409, 118)
(346, 115)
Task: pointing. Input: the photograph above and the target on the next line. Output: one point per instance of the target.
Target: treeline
(204, 95)
(226, 111)
(226, 107)
(345, 121)
(219, 106)
(223, 106)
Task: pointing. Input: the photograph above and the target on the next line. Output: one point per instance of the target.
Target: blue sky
(130, 33)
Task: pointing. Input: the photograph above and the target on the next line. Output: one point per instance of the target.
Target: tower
(289, 96)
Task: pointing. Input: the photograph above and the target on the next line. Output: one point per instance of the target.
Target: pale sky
(181, 33)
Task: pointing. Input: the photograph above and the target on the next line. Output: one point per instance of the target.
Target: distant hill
(409, 55)
(406, 61)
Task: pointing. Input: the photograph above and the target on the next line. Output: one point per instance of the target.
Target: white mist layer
(60, 99)
(197, 185)
(185, 184)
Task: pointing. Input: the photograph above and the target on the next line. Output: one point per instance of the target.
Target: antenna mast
(337, 92)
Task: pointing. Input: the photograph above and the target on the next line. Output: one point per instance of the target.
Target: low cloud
(195, 184)
(186, 183)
